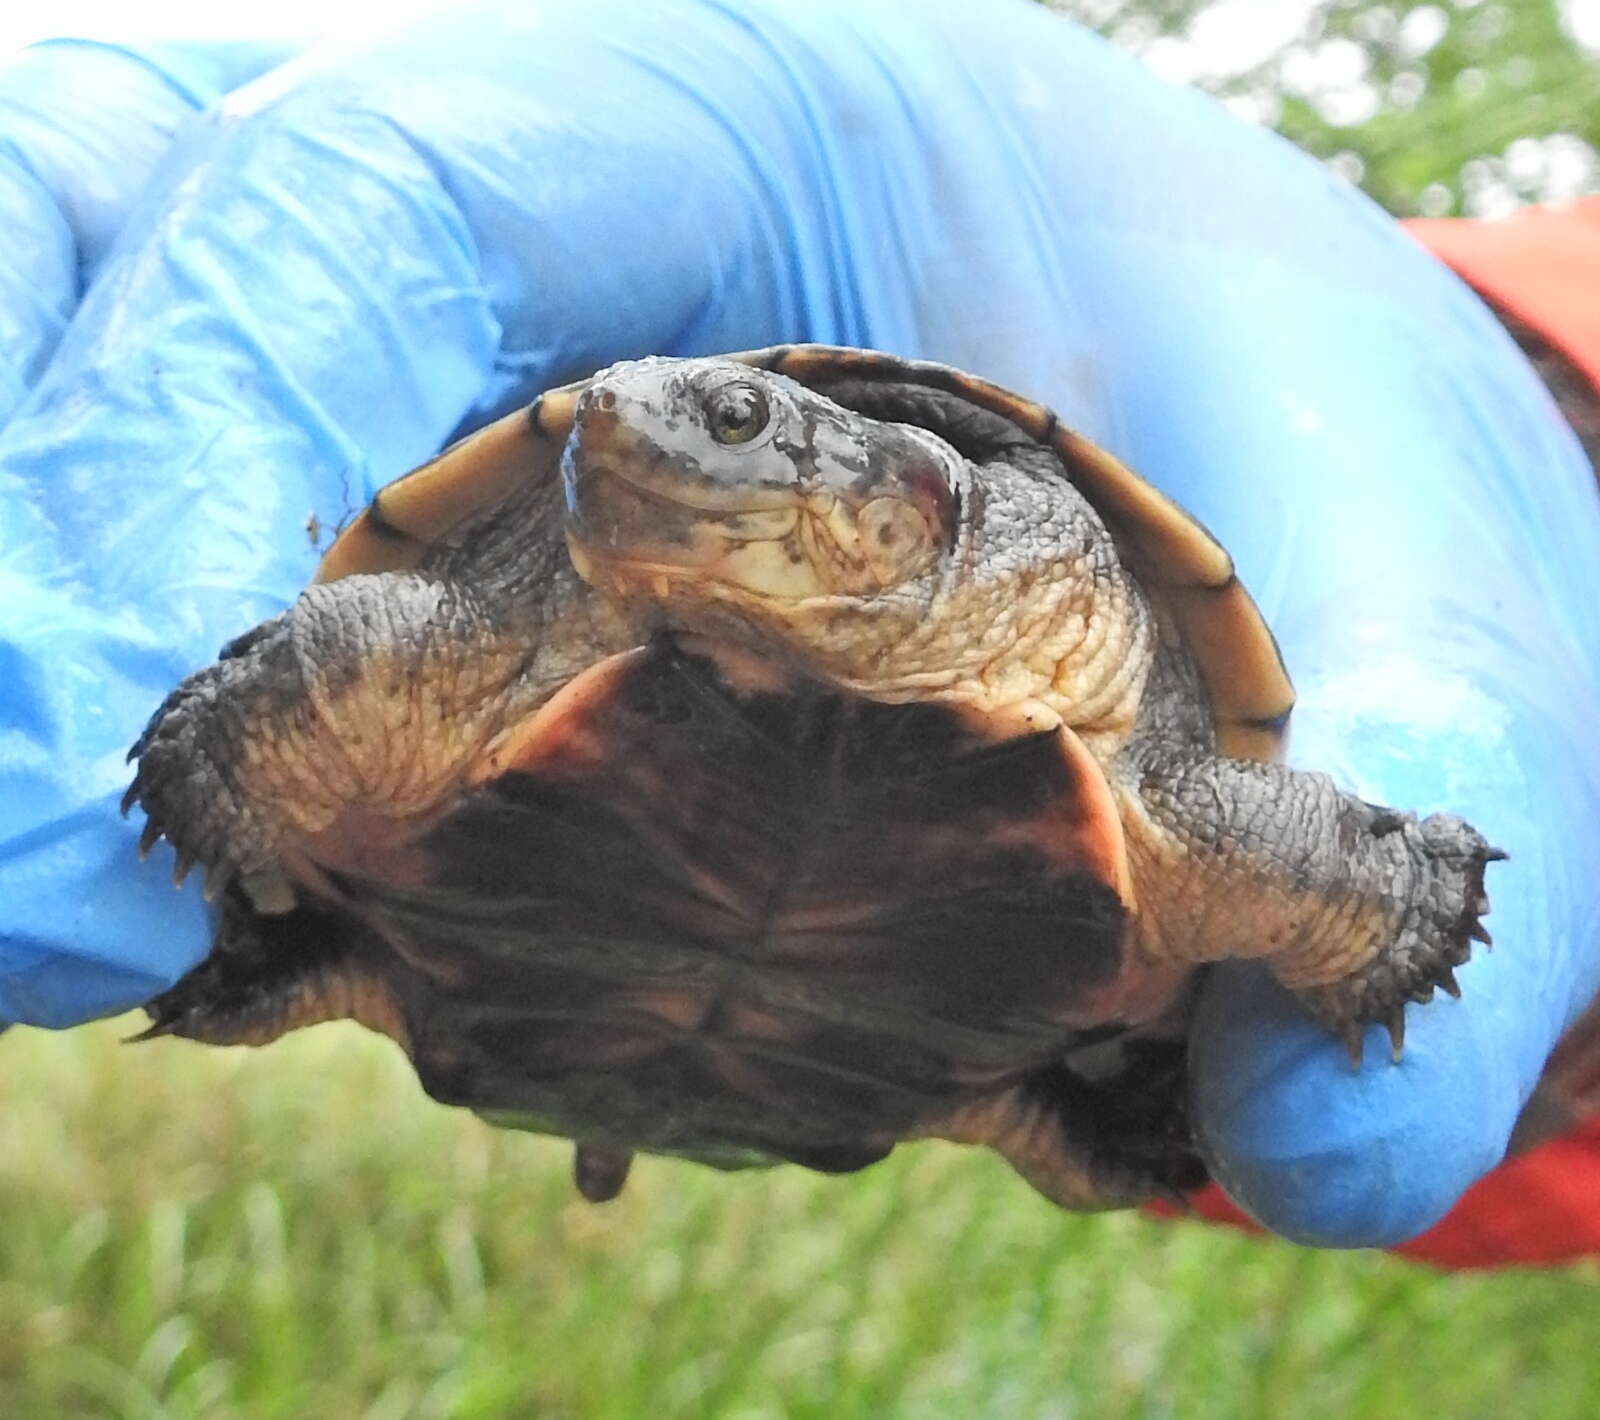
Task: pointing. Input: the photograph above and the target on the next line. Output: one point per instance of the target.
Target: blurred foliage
(200, 1234)
(1461, 106)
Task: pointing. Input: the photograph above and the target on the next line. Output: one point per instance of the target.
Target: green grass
(297, 1232)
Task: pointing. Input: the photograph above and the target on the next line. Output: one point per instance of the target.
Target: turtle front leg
(327, 728)
(1358, 909)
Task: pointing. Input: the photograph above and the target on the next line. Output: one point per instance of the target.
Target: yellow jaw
(819, 546)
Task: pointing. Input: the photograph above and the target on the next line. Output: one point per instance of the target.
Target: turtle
(774, 757)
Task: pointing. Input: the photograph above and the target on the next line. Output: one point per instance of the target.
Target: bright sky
(192, 19)
(1229, 36)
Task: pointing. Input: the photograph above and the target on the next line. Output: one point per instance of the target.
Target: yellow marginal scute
(1180, 561)
(1174, 555)
(409, 515)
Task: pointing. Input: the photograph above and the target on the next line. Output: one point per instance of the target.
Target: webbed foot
(189, 793)
(269, 975)
(1358, 909)
(1440, 916)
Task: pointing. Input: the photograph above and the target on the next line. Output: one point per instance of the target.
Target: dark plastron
(792, 922)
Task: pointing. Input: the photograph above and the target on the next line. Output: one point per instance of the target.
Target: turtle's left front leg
(1357, 909)
(356, 709)
(318, 742)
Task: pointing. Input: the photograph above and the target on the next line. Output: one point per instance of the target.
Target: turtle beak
(644, 510)
(690, 478)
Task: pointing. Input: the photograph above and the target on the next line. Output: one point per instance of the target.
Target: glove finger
(372, 248)
(82, 127)
(1342, 1159)
(1421, 529)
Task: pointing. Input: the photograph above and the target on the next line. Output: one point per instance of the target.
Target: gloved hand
(366, 251)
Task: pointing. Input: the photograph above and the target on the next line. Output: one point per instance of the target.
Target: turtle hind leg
(1091, 1144)
(267, 975)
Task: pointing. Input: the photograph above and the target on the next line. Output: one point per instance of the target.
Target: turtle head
(699, 483)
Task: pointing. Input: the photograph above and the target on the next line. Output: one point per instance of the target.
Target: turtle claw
(188, 799)
(1435, 938)
(1396, 1025)
(218, 875)
(1352, 1035)
(165, 1025)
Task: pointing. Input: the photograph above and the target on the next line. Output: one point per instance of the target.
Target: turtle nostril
(606, 399)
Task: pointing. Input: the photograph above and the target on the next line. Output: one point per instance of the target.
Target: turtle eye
(736, 413)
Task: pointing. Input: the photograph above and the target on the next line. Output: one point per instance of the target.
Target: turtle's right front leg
(366, 697)
(1358, 909)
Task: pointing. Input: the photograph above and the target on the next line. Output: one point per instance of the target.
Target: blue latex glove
(82, 126)
(363, 252)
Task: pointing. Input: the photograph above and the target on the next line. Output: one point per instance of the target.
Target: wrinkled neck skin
(1034, 605)
(1030, 603)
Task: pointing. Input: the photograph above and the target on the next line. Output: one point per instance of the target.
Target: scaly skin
(707, 497)
(1016, 594)
(362, 705)
(328, 735)
(1356, 908)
